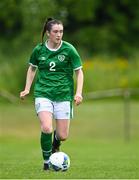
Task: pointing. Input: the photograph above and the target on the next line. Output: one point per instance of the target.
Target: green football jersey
(55, 71)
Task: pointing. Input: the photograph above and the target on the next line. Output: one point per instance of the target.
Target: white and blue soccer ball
(59, 161)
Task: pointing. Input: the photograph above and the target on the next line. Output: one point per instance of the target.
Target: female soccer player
(56, 60)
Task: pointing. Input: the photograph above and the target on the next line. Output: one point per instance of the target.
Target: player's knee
(63, 136)
(46, 129)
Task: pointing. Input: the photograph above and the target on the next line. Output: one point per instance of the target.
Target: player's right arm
(29, 79)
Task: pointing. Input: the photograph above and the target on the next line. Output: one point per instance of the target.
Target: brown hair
(48, 25)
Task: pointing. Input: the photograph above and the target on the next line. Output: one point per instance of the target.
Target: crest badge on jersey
(61, 57)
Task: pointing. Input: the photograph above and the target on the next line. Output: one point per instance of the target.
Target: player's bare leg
(60, 134)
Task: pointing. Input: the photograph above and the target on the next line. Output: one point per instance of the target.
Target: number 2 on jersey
(52, 66)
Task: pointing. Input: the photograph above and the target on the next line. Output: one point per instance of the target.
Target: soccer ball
(59, 161)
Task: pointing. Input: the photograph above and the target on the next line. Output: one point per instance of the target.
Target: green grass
(96, 145)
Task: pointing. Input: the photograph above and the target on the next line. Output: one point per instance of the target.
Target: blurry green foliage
(109, 27)
(97, 28)
(103, 73)
(10, 18)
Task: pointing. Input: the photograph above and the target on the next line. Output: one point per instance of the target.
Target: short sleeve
(75, 59)
(34, 58)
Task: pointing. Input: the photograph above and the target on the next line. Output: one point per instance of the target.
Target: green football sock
(46, 145)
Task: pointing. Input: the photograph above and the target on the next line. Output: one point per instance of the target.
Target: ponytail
(45, 27)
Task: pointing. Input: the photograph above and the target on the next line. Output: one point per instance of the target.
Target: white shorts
(60, 110)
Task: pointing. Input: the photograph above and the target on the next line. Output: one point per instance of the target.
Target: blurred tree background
(102, 31)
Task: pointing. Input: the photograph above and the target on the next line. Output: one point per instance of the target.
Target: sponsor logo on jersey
(61, 57)
(42, 58)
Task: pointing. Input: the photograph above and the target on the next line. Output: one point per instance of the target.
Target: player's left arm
(80, 78)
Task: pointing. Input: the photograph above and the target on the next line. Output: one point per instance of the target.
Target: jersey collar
(53, 49)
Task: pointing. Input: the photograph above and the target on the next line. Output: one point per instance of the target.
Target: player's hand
(23, 94)
(78, 99)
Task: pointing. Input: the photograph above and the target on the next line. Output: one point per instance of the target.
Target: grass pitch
(96, 145)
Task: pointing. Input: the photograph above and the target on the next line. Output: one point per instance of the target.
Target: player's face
(56, 33)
